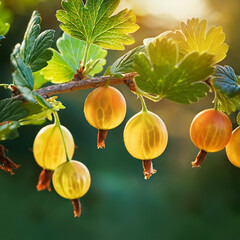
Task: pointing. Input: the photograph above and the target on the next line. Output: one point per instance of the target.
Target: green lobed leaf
(39, 79)
(31, 55)
(22, 77)
(225, 84)
(94, 23)
(8, 131)
(38, 114)
(193, 36)
(63, 65)
(12, 110)
(228, 104)
(125, 64)
(226, 81)
(162, 75)
(34, 49)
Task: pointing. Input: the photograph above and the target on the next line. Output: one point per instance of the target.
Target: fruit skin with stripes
(48, 146)
(210, 131)
(71, 180)
(104, 108)
(145, 137)
(233, 148)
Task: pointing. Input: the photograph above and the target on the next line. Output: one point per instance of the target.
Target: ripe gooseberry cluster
(145, 137)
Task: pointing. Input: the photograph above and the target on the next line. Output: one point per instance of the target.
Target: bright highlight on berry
(104, 108)
(210, 131)
(71, 180)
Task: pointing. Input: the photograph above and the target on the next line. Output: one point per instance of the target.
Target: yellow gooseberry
(48, 146)
(104, 109)
(233, 148)
(71, 180)
(145, 137)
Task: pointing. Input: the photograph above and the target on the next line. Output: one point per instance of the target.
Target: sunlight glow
(178, 9)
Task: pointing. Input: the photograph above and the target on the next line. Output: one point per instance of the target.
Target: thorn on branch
(6, 163)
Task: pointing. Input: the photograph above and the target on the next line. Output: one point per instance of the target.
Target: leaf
(34, 47)
(22, 77)
(8, 131)
(5, 20)
(162, 75)
(94, 22)
(39, 79)
(125, 64)
(228, 104)
(194, 37)
(38, 114)
(225, 84)
(11, 110)
(62, 67)
(238, 118)
(226, 81)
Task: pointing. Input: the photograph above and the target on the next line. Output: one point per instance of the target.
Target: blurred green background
(176, 203)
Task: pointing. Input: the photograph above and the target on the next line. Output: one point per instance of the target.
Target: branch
(75, 85)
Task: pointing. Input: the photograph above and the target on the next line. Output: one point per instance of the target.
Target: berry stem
(144, 107)
(108, 81)
(44, 180)
(199, 159)
(148, 169)
(85, 56)
(58, 124)
(102, 134)
(215, 102)
(77, 207)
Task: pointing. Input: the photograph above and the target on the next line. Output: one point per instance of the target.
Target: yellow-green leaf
(193, 36)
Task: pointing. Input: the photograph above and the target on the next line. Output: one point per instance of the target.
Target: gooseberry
(210, 131)
(48, 146)
(233, 148)
(104, 109)
(71, 180)
(49, 151)
(145, 137)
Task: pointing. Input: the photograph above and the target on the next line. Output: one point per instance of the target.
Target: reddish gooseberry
(210, 131)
